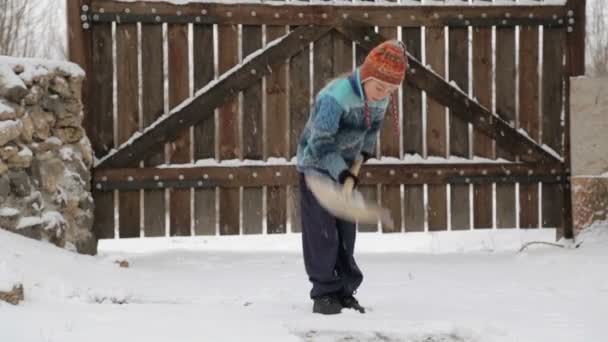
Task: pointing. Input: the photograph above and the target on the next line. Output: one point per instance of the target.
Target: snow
(7, 125)
(28, 221)
(5, 109)
(25, 152)
(53, 219)
(8, 212)
(225, 288)
(552, 152)
(34, 67)
(407, 159)
(8, 78)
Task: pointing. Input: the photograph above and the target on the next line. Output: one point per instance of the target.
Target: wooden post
(79, 49)
(576, 36)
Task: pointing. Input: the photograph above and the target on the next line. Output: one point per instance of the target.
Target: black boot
(351, 302)
(327, 305)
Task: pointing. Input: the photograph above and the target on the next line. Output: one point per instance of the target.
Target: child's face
(377, 91)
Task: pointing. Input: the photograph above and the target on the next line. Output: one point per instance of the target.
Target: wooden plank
(482, 144)
(253, 133)
(153, 106)
(330, 14)
(234, 177)
(276, 137)
(412, 136)
(464, 106)
(390, 195)
(197, 109)
(528, 117)
(128, 120)
(506, 213)
(205, 214)
(436, 130)
(553, 72)
(576, 39)
(299, 111)
(179, 149)
(101, 121)
(459, 129)
(228, 134)
(282, 175)
(568, 229)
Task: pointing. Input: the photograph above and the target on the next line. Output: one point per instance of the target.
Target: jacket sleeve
(323, 136)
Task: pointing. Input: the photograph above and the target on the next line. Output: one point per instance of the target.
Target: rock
(3, 167)
(60, 87)
(87, 245)
(86, 151)
(14, 296)
(7, 112)
(13, 89)
(122, 263)
(34, 95)
(86, 203)
(42, 130)
(9, 131)
(53, 103)
(23, 159)
(5, 188)
(20, 183)
(76, 86)
(73, 106)
(27, 130)
(9, 217)
(48, 169)
(55, 227)
(69, 135)
(34, 203)
(8, 151)
(70, 121)
(18, 69)
(50, 144)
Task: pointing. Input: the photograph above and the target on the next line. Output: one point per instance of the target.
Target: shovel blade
(350, 208)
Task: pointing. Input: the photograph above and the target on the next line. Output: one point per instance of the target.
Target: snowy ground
(255, 289)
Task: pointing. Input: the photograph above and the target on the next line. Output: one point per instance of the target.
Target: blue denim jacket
(336, 131)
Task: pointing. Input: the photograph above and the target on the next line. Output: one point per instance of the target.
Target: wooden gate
(194, 111)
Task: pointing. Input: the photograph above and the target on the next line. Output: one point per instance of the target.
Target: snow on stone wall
(45, 157)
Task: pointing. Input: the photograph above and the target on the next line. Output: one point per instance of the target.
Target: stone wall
(589, 130)
(45, 157)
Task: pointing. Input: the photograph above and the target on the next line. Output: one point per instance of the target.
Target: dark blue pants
(328, 244)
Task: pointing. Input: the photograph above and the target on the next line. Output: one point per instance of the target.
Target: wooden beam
(198, 108)
(280, 175)
(576, 36)
(460, 103)
(330, 13)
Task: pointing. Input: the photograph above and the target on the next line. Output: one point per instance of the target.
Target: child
(342, 127)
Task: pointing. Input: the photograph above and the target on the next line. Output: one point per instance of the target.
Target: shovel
(345, 204)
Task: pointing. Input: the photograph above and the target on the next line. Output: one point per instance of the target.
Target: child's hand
(366, 156)
(344, 175)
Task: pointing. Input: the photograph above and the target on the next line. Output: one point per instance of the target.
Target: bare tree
(597, 38)
(29, 28)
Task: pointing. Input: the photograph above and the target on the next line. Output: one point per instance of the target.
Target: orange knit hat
(386, 62)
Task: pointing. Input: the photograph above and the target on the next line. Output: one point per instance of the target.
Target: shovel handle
(350, 183)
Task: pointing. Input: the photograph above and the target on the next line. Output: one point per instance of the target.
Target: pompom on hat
(386, 62)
